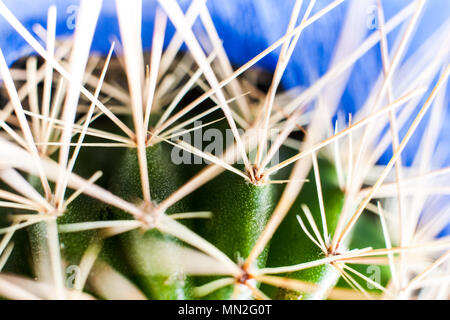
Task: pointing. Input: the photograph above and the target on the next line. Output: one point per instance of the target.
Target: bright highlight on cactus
(170, 174)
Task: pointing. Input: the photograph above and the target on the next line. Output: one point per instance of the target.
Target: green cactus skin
(165, 177)
(368, 233)
(290, 245)
(105, 159)
(18, 262)
(72, 245)
(240, 212)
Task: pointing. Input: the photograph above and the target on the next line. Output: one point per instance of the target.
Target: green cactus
(243, 226)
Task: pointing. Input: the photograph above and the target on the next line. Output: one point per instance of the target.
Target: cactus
(170, 175)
